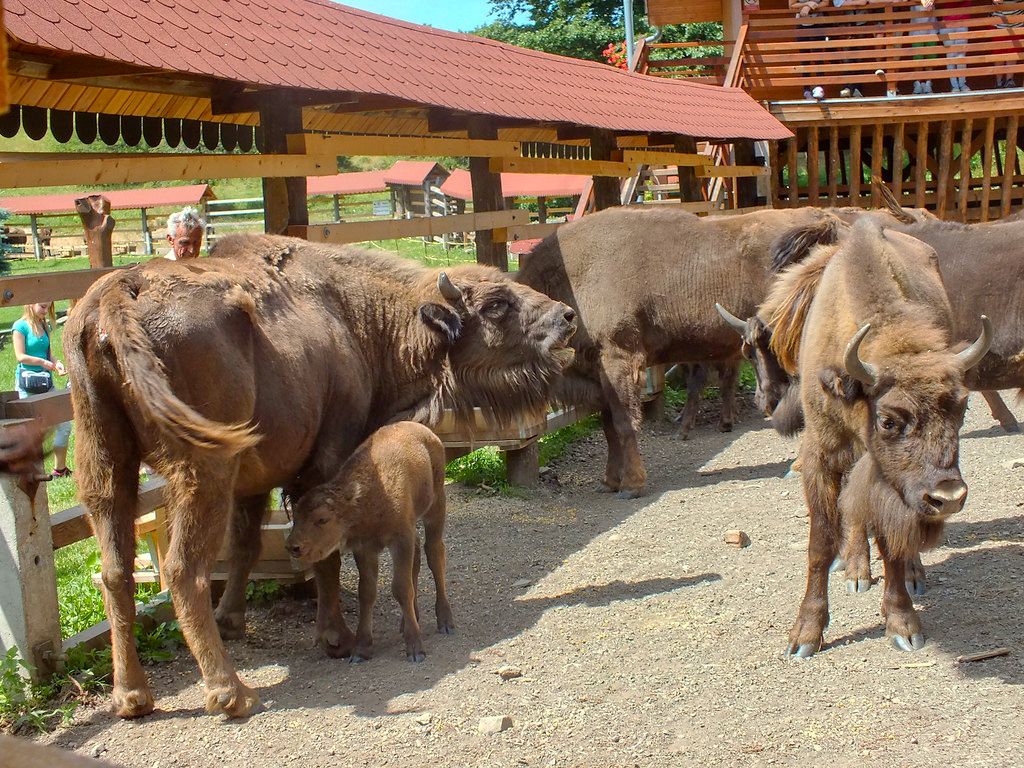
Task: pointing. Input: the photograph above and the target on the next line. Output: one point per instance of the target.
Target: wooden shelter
(415, 188)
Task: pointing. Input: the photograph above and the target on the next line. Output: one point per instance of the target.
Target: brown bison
(644, 281)
(869, 328)
(394, 479)
(264, 366)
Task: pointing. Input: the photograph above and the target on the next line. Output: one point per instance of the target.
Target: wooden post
(29, 614)
(147, 236)
(689, 184)
(606, 188)
(542, 210)
(337, 208)
(522, 465)
(284, 200)
(394, 203)
(94, 211)
(486, 195)
(746, 187)
(36, 247)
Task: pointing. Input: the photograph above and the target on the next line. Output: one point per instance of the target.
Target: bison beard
(265, 366)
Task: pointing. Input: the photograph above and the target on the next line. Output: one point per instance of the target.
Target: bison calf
(393, 479)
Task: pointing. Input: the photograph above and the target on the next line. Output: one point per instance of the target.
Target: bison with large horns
(263, 366)
(883, 397)
(644, 282)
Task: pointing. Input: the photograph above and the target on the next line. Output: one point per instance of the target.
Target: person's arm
(804, 7)
(26, 359)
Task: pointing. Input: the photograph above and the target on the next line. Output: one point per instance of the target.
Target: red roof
(156, 197)
(322, 45)
(352, 183)
(519, 185)
(412, 173)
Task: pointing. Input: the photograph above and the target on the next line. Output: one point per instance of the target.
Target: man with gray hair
(185, 231)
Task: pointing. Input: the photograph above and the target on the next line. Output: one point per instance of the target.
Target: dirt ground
(642, 639)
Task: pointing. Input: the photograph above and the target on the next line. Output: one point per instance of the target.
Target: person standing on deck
(185, 230)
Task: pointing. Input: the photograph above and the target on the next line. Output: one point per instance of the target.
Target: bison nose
(947, 497)
(295, 550)
(569, 314)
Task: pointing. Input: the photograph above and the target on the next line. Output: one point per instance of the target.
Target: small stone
(784, 494)
(545, 471)
(738, 539)
(1014, 464)
(494, 724)
(520, 583)
(425, 718)
(508, 672)
(98, 749)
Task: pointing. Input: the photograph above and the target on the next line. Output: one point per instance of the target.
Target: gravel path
(641, 638)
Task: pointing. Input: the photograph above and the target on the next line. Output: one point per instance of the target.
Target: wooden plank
(731, 171)
(877, 150)
(531, 231)
(1009, 162)
(73, 525)
(986, 167)
(897, 162)
(416, 146)
(51, 286)
(832, 171)
(921, 164)
(856, 173)
(965, 167)
(52, 408)
(775, 176)
(392, 229)
(650, 157)
(812, 166)
(792, 152)
(945, 156)
(44, 171)
(555, 165)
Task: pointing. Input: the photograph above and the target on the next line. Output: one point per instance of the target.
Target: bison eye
(495, 308)
(889, 425)
(322, 521)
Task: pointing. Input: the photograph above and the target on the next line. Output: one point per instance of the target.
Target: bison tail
(145, 376)
(793, 245)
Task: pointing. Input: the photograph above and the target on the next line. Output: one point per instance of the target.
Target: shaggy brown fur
(264, 366)
(903, 427)
(393, 479)
(644, 282)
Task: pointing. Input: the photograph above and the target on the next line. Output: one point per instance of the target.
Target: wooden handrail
(734, 73)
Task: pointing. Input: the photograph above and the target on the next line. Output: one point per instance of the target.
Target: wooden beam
(554, 165)
(94, 211)
(856, 174)
(417, 146)
(731, 171)
(792, 162)
(1009, 163)
(285, 202)
(877, 150)
(73, 525)
(48, 286)
(986, 167)
(897, 162)
(51, 408)
(832, 169)
(421, 226)
(531, 231)
(965, 168)
(135, 168)
(660, 157)
(606, 189)
(920, 180)
(690, 187)
(813, 180)
(237, 101)
(945, 157)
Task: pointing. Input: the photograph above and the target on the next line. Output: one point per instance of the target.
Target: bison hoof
(916, 586)
(803, 651)
(630, 493)
(335, 645)
(416, 657)
(231, 626)
(725, 427)
(913, 643)
(132, 702)
(837, 565)
(853, 586)
(1010, 426)
(360, 657)
(446, 628)
(237, 700)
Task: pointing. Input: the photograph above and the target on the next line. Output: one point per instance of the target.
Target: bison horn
(863, 372)
(447, 288)
(734, 322)
(971, 356)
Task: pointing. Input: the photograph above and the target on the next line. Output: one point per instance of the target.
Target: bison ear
(352, 492)
(839, 384)
(443, 320)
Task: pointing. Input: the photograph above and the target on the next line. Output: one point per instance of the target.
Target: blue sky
(456, 15)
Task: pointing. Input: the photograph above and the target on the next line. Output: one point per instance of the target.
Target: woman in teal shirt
(33, 352)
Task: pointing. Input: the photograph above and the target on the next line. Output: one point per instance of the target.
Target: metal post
(29, 616)
(36, 246)
(627, 12)
(147, 236)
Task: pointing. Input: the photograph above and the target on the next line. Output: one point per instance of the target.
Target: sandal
(66, 472)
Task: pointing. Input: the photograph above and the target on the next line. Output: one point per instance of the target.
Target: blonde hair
(40, 327)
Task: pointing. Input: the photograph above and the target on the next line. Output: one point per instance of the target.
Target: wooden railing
(664, 60)
(878, 50)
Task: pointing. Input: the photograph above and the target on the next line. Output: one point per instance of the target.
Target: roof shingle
(323, 45)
